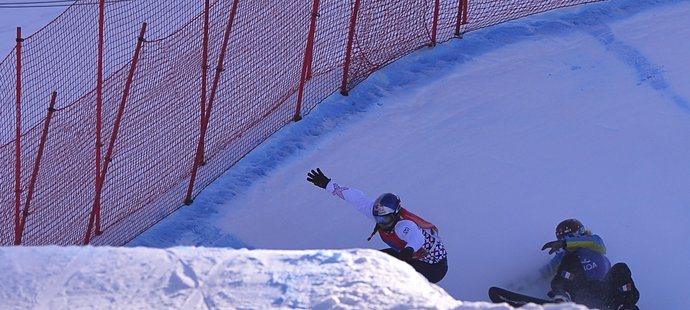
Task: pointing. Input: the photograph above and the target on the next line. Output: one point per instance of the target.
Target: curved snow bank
(215, 278)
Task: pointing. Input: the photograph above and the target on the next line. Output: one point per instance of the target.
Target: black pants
(432, 272)
(616, 288)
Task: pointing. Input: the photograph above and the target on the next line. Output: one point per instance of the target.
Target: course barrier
(118, 112)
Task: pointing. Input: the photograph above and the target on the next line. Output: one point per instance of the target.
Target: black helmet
(386, 209)
(569, 227)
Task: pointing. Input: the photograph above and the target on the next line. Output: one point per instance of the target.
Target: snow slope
(199, 278)
(582, 112)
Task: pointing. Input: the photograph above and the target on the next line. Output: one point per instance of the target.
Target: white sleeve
(409, 232)
(355, 197)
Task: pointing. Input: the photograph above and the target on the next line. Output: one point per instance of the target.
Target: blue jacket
(591, 251)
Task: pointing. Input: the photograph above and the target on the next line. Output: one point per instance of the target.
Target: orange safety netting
(167, 124)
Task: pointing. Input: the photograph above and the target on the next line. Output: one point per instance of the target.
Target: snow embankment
(55, 277)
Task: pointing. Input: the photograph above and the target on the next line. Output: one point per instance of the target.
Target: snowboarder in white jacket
(411, 238)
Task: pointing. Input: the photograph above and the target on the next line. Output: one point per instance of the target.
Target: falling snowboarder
(581, 273)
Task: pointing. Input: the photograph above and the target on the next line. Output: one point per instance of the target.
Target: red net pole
(458, 19)
(99, 112)
(434, 29)
(17, 143)
(348, 52)
(96, 210)
(120, 111)
(37, 164)
(221, 61)
(306, 66)
(464, 11)
(198, 158)
(204, 73)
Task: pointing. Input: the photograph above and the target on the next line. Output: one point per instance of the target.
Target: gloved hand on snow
(554, 245)
(318, 178)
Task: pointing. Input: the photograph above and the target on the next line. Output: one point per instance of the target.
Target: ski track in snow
(185, 281)
(54, 286)
(647, 71)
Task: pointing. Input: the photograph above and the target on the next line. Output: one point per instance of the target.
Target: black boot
(625, 294)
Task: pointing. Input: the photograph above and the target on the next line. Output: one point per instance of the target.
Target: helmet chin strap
(376, 228)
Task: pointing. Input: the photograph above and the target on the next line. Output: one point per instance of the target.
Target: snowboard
(499, 295)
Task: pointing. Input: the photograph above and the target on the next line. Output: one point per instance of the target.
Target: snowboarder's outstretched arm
(572, 243)
(355, 197)
(569, 243)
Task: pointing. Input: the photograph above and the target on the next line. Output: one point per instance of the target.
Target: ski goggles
(385, 220)
(579, 232)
